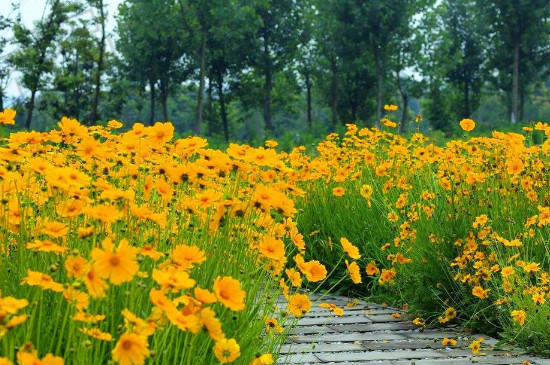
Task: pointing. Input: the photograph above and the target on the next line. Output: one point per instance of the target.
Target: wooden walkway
(369, 334)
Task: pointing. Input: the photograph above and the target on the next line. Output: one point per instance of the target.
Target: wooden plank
(369, 334)
(399, 355)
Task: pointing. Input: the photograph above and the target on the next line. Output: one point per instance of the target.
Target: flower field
(135, 247)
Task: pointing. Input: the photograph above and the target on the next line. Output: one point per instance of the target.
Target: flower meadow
(135, 247)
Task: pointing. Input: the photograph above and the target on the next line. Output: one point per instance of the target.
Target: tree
(34, 57)
(74, 72)
(379, 23)
(276, 41)
(232, 32)
(307, 56)
(4, 64)
(464, 52)
(153, 51)
(328, 37)
(516, 25)
(100, 64)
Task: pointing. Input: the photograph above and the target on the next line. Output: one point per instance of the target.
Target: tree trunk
(521, 103)
(210, 110)
(405, 98)
(308, 97)
(30, 109)
(268, 86)
(223, 111)
(334, 91)
(466, 100)
(200, 96)
(164, 99)
(515, 76)
(378, 67)
(164, 102)
(1, 99)
(152, 115)
(99, 70)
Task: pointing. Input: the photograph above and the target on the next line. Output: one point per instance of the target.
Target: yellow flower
(265, 359)
(507, 271)
(97, 334)
(272, 248)
(271, 324)
(386, 275)
(519, 316)
(333, 308)
(338, 191)
(314, 271)
(229, 293)
(7, 117)
(514, 166)
(131, 349)
(119, 265)
(350, 249)
(467, 124)
(227, 350)
(354, 272)
(212, 324)
(448, 342)
(475, 346)
(115, 124)
(390, 107)
(372, 269)
(299, 304)
(36, 278)
(481, 293)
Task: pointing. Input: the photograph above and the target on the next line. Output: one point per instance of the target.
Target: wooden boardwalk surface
(369, 334)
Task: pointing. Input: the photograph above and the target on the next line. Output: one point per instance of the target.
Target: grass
(134, 247)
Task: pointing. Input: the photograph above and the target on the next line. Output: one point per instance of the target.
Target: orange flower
(507, 271)
(448, 342)
(354, 272)
(475, 346)
(386, 275)
(36, 278)
(55, 229)
(272, 248)
(212, 324)
(187, 256)
(294, 277)
(519, 316)
(227, 350)
(314, 271)
(94, 283)
(7, 117)
(372, 269)
(514, 166)
(481, 293)
(97, 334)
(118, 265)
(333, 308)
(46, 246)
(299, 304)
(160, 133)
(229, 293)
(131, 349)
(205, 296)
(350, 249)
(467, 124)
(265, 359)
(338, 191)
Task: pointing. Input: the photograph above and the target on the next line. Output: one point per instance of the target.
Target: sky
(32, 10)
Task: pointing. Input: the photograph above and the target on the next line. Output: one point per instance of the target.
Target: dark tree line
(223, 64)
